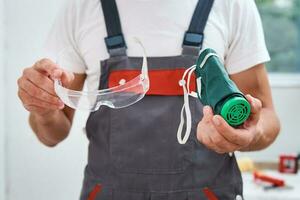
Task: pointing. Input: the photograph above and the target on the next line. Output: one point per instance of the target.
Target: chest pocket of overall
(142, 137)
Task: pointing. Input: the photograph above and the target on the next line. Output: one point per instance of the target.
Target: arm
(258, 132)
(257, 85)
(49, 118)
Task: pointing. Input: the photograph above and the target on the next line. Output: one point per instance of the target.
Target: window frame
(281, 78)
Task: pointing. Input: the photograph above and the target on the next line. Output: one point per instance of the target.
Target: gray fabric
(134, 153)
(190, 50)
(117, 52)
(124, 62)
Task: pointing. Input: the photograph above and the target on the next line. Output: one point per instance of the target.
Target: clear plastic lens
(123, 95)
(116, 97)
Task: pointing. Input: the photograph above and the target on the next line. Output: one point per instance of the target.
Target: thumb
(207, 113)
(64, 76)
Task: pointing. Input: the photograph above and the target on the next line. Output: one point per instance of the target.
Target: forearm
(268, 128)
(51, 128)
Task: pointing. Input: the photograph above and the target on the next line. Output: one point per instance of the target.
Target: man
(133, 152)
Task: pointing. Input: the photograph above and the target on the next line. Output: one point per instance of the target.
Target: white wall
(35, 172)
(2, 128)
(286, 101)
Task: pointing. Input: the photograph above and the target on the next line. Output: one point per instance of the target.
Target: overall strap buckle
(115, 42)
(116, 45)
(194, 37)
(192, 43)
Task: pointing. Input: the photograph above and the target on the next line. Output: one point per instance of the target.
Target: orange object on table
(265, 178)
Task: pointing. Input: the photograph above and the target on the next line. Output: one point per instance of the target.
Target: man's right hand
(36, 87)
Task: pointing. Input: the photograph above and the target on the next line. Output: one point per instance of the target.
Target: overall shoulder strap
(193, 38)
(115, 42)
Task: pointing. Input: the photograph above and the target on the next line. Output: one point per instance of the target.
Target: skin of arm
(258, 132)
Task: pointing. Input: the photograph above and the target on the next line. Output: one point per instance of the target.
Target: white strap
(186, 107)
(206, 58)
(199, 86)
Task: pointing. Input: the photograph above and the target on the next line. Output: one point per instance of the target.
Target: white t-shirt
(233, 30)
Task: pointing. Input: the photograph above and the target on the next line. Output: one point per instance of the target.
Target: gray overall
(133, 152)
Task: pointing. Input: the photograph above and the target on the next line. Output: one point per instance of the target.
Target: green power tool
(217, 90)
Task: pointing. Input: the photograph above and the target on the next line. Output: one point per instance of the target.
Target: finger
(45, 66)
(203, 132)
(30, 102)
(207, 113)
(54, 71)
(65, 76)
(37, 109)
(256, 106)
(239, 137)
(207, 141)
(38, 93)
(222, 143)
(40, 80)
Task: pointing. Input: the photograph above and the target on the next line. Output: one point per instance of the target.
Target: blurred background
(28, 170)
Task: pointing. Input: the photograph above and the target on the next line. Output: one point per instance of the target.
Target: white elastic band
(199, 86)
(186, 106)
(206, 58)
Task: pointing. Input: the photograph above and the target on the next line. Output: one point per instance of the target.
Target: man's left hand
(216, 134)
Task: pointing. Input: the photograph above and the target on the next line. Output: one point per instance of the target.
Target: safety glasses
(123, 95)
